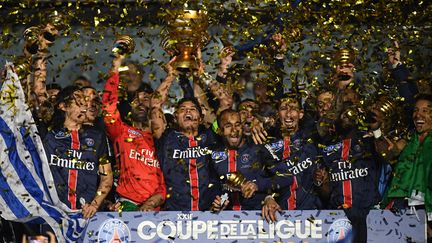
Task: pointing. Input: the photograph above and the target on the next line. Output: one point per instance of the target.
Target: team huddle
(122, 151)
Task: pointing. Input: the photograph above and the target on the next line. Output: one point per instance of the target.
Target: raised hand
(170, 69)
(280, 42)
(116, 62)
(393, 54)
(226, 55)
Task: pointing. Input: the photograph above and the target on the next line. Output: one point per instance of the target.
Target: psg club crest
(114, 230)
(340, 231)
(89, 141)
(245, 158)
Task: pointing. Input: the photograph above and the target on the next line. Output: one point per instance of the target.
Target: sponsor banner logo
(114, 230)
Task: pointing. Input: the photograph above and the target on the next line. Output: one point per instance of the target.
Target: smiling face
(231, 129)
(422, 117)
(290, 114)
(188, 116)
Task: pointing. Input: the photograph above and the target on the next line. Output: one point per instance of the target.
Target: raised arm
(219, 89)
(200, 95)
(35, 88)
(188, 91)
(203, 81)
(400, 73)
(110, 98)
(39, 64)
(157, 117)
(226, 56)
(223, 94)
(39, 83)
(278, 65)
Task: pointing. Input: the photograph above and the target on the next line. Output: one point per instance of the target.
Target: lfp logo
(114, 231)
(340, 231)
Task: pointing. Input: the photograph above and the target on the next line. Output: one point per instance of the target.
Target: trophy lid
(386, 105)
(196, 19)
(58, 20)
(31, 33)
(344, 56)
(128, 41)
(193, 14)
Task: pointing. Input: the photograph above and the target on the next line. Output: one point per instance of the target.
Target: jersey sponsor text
(146, 156)
(191, 153)
(72, 162)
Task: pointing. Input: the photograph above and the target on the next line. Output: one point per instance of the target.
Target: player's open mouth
(188, 117)
(419, 122)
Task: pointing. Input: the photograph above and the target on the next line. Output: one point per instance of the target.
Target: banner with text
(248, 226)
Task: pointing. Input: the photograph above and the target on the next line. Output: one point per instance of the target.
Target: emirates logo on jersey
(146, 156)
(298, 167)
(73, 161)
(346, 172)
(191, 153)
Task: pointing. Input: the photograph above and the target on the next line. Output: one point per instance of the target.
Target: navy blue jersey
(190, 180)
(296, 156)
(249, 161)
(74, 162)
(353, 172)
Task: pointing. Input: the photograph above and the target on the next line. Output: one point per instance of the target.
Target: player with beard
(185, 152)
(93, 111)
(141, 183)
(297, 156)
(132, 80)
(246, 109)
(319, 111)
(241, 155)
(351, 178)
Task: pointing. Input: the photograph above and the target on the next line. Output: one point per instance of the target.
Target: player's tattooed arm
(157, 118)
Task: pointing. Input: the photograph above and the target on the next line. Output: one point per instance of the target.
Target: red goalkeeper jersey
(140, 173)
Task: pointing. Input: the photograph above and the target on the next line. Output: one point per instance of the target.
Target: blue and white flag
(27, 189)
